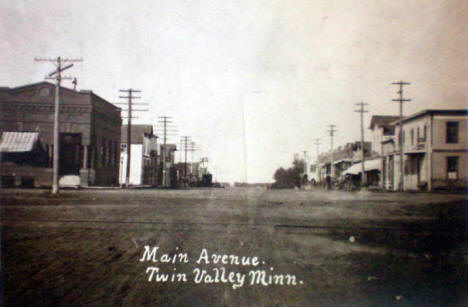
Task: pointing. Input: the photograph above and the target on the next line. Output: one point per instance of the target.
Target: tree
(291, 177)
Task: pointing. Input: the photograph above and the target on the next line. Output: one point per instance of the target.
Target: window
(452, 132)
(418, 135)
(110, 157)
(412, 136)
(411, 165)
(424, 133)
(103, 152)
(452, 167)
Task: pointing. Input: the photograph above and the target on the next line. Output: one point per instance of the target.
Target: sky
(252, 82)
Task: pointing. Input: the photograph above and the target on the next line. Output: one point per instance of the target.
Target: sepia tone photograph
(233, 153)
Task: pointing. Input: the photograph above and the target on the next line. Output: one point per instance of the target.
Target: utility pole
(57, 76)
(167, 130)
(185, 143)
(192, 149)
(331, 131)
(317, 144)
(400, 99)
(129, 117)
(204, 161)
(305, 161)
(317, 170)
(362, 111)
(304, 176)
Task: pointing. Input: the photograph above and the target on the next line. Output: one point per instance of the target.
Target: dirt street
(316, 248)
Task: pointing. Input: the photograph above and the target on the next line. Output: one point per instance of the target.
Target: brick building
(89, 135)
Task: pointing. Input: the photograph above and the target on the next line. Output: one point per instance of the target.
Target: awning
(368, 166)
(18, 141)
(342, 160)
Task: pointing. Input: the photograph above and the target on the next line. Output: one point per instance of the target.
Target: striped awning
(18, 141)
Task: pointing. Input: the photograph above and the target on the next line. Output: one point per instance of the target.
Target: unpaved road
(83, 248)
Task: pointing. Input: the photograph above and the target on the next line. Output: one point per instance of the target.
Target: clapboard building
(435, 152)
(90, 130)
(143, 156)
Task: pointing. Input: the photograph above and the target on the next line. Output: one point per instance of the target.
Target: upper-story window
(452, 132)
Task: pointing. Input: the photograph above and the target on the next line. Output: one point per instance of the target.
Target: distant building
(167, 175)
(381, 130)
(343, 158)
(89, 136)
(144, 157)
(434, 148)
(188, 173)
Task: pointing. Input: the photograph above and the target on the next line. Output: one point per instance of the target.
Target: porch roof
(369, 165)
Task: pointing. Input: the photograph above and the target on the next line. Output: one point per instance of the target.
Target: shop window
(411, 166)
(452, 167)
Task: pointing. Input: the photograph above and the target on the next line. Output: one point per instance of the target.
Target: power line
(362, 111)
(57, 76)
(401, 100)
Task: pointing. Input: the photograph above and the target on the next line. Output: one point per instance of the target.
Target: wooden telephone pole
(331, 131)
(168, 130)
(57, 76)
(130, 96)
(400, 99)
(363, 170)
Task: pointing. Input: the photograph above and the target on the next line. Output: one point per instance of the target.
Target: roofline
(90, 92)
(35, 84)
(373, 116)
(459, 112)
(80, 92)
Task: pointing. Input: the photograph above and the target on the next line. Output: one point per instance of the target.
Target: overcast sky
(253, 82)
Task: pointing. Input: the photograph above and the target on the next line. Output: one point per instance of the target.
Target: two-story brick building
(89, 135)
(434, 151)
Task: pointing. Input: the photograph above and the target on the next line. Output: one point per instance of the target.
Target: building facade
(143, 156)
(434, 151)
(343, 158)
(89, 134)
(381, 130)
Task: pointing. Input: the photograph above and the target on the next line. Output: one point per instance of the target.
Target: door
(70, 158)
